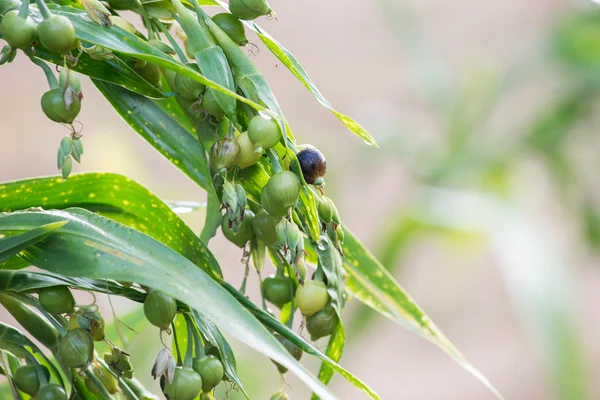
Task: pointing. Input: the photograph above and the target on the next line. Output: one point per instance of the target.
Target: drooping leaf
(372, 284)
(112, 196)
(94, 247)
(335, 347)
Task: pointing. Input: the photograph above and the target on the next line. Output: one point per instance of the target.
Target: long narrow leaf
(94, 247)
(10, 246)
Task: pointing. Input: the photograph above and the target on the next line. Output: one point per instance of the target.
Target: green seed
(247, 156)
(76, 348)
(210, 370)
(245, 232)
(27, 379)
(186, 385)
(263, 132)
(18, 32)
(232, 26)
(249, 9)
(57, 300)
(160, 309)
(57, 33)
(51, 391)
(278, 290)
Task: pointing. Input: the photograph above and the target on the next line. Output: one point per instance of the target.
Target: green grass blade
(9, 246)
(335, 347)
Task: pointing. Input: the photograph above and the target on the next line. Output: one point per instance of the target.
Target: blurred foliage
(475, 155)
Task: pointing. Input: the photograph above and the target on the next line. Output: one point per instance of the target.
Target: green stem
(245, 280)
(52, 81)
(43, 9)
(173, 42)
(318, 274)
(103, 392)
(197, 342)
(262, 297)
(176, 344)
(24, 10)
(189, 352)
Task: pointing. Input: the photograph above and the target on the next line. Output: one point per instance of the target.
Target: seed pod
(8, 54)
(150, 72)
(294, 350)
(118, 362)
(57, 299)
(264, 132)
(311, 297)
(223, 154)
(97, 12)
(160, 309)
(76, 348)
(51, 391)
(65, 170)
(249, 9)
(53, 105)
(278, 290)
(98, 52)
(247, 156)
(301, 268)
(339, 234)
(322, 323)
(57, 33)
(245, 231)
(209, 103)
(290, 240)
(162, 46)
(27, 380)
(91, 320)
(186, 385)
(210, 370)
(313, 164)
(18, 31)
(280, 193)
(232, 26)
(188, 88)
(123, 23)
(106, 378)
(264, 227)
(325, 210)
(33, 322)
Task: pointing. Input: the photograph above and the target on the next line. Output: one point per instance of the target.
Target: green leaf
(115, 71)
(113, 196)
(372, 284)
(335, 347)
(94, 247)
(10, 246)
(214, 336)
(25, 281)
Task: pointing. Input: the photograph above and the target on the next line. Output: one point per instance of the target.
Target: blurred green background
(482, 199)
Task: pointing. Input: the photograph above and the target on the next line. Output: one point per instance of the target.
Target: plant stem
(43, 9)
(179, 363)
(173, 42)
(189, 352)
(52, 81)
(246, 273)
(197, 342)
(24, 10)
(122, 384)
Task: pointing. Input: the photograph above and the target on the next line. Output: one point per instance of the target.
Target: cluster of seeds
(248, 145)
